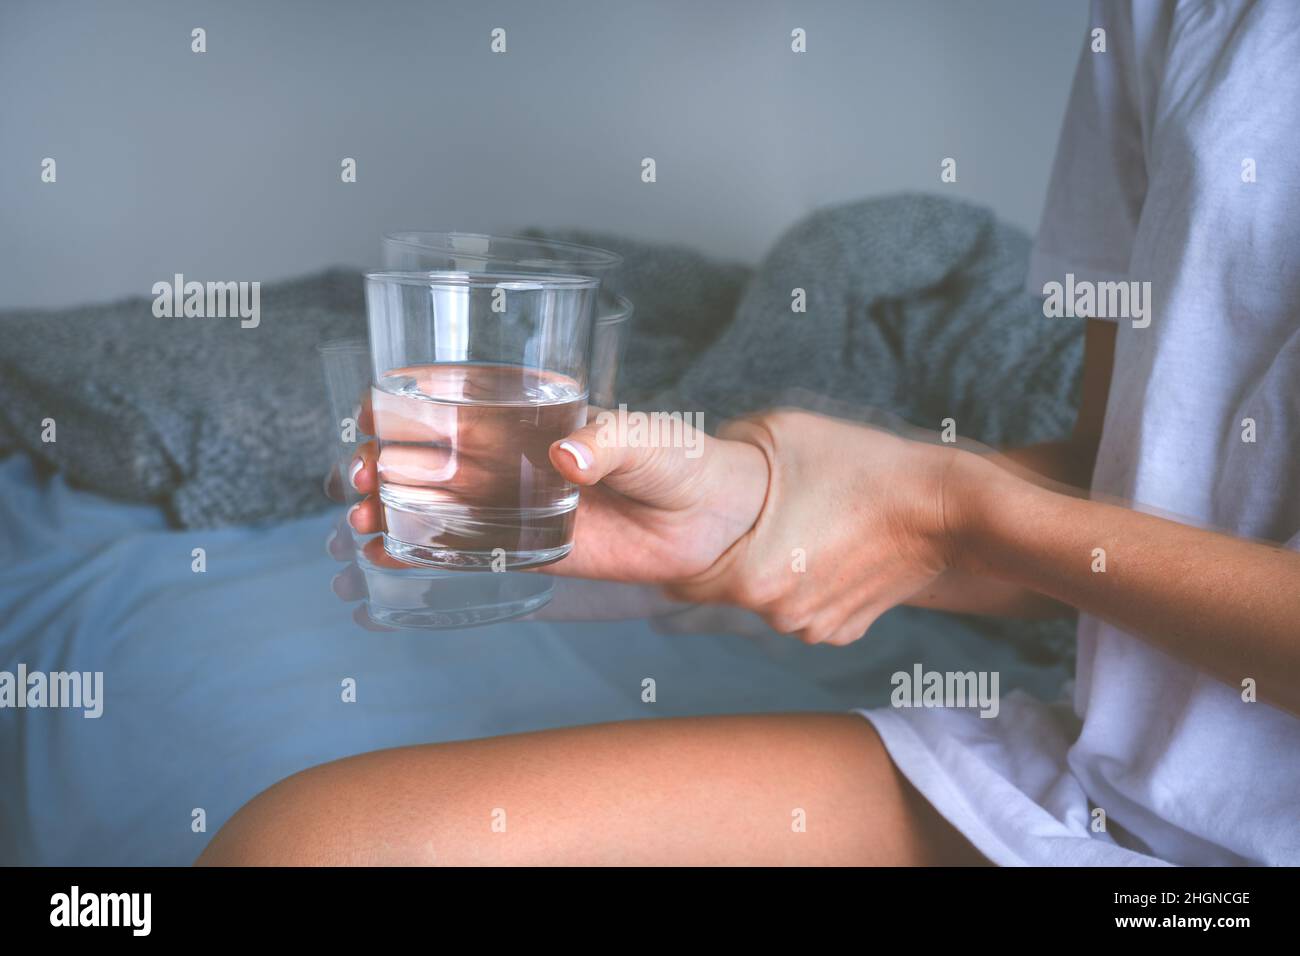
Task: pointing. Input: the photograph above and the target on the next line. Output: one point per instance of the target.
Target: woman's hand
(817, 525)
(646, 515)
(855, 522)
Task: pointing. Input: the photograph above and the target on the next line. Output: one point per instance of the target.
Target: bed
(218, 684)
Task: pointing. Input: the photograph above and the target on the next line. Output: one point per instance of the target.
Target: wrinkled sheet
(218, 684)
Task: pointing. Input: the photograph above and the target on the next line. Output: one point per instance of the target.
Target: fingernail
(352, 513)
(357, 464)
(325, 483)
(329, 542)
(580, 454)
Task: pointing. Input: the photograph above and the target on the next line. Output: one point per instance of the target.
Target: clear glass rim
(623, 310)
(515, 281)
(347, 344)
(443, 243)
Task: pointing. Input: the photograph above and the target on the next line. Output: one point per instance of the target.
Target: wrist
(741, 479)
(745, 484)
(976, 495)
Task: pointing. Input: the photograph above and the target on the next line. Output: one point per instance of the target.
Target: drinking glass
(431, 599)
(475, 252)
(475, 375)
(347, 382)
(608, 343)
(406, 596)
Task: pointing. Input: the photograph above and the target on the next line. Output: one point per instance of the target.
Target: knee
(324, 816)
(274, 828)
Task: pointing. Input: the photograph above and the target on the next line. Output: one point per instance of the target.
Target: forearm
(959, 592)
(1227, 605)
(1059, 464)
(1052, 464)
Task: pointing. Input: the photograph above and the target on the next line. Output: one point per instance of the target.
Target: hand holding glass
(475, 376)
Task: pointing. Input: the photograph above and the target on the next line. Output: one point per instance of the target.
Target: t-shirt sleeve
(1098, 180)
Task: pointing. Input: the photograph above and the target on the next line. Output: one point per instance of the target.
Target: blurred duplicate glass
(347, 380)
(475, 376)
(608, 342)
(431, 599)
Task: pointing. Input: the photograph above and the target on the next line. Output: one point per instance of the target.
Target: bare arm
(1229, 605)
(1061, 465)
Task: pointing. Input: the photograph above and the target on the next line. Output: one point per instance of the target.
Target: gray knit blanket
(914, 304)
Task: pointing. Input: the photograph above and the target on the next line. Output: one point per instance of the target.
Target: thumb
(637, 463)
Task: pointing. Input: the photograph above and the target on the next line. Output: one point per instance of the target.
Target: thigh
(764, 789)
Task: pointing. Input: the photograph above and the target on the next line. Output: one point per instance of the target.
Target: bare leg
(689, 791)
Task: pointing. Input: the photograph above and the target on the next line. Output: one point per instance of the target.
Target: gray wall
(225, 165)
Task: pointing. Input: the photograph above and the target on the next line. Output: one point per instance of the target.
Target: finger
(365, 415)
(366, 517)
(467, 425)
(340, 545)
(349, 584)
(662, 475)
(453, 475)
(333, 484)
(363, 473)
(416, 465)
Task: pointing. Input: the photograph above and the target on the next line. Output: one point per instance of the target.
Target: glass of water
(475, 376)
(402, 596)
(423, 251)
(475, 252)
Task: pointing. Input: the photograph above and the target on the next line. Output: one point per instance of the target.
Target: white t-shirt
(1179, 165)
